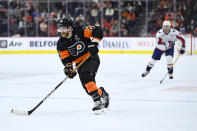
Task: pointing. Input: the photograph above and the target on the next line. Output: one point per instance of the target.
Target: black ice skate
(98, 107)
(170, 76)
(145, 73)
(170, 72)
(104, 98)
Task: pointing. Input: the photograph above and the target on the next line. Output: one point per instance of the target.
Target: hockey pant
(87, 73)
(158, 53)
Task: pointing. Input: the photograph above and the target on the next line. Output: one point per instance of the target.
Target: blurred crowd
(40, 19)
(185, 16)
(118, 18)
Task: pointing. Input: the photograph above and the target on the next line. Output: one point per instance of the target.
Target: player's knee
(86, 77)
(152, 62)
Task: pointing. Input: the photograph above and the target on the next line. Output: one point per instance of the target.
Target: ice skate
(145, 73)
(104, 98)
(98, 107)
(170, 76)
(170, 72)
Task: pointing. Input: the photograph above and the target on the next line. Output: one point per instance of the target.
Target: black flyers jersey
(75, 48)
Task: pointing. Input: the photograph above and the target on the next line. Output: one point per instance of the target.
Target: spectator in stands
(106, 27)
(53, 29)
(43, 28)
(15, 34)
(30, 25)
(97, 23)
(195, 32)
(123, 31)
(60, 14)
(109, 12)
(139, 8)
(79, 20)
(3, 19)
(44, 14)
(13, 23)
(21, 26)
(115, 28)
(182, 29)
(94, 14)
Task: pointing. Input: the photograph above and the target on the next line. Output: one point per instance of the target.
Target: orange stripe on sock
(99, 91)
(91, 86)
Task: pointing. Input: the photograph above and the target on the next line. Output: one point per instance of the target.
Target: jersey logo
(77, 48)
(77, 38)
(170, 44)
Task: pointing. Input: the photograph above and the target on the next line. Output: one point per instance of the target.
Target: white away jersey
(165, 41)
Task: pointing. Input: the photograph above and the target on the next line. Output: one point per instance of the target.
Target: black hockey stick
(172, 66)
(19, 112)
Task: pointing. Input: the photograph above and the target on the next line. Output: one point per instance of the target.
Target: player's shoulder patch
(88, 31)
(90, 28)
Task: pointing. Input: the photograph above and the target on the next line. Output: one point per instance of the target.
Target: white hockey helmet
(166, 23)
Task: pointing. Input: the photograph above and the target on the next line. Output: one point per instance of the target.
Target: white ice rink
(137, 104)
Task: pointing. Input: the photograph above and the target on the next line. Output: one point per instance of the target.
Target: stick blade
(18, 112)
(161, 81)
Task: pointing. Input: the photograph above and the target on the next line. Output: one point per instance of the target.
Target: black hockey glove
(93, 49)
(182, 50)
(68, 70)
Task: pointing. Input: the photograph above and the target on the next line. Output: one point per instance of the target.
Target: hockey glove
(182, 50)
(93, 49)
(68, 70)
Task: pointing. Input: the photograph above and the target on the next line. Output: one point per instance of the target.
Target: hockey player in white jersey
(165, 41)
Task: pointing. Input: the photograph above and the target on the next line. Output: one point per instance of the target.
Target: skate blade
(99, 112)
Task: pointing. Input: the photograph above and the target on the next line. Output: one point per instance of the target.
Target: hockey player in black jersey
(74, 45)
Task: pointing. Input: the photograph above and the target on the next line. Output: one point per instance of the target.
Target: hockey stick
(19, 112)
(172, 66)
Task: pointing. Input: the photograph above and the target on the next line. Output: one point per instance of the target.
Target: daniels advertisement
(127, 43)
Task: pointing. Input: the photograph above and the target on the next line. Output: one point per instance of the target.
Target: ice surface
(137, 104)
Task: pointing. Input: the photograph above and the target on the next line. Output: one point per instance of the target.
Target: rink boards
(116, 45)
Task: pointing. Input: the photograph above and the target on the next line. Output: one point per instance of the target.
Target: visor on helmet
(63, 29)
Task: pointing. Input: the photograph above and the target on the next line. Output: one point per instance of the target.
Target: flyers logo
(77, 48)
